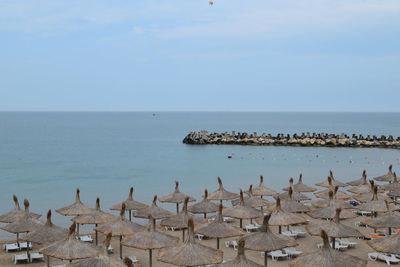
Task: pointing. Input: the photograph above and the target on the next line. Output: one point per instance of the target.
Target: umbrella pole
(18, 240)
(333, 242)
(205, 215)
(220, 201)
(96, 234)
(130, 215)
(48, 260)
(265, 258)
(183, 235)
(120, 246)
(177, 208)
(241, 223)
(280, 229)
(150, 258)
(390, 231)
(77, 230)
(217, 242)
(261, 206)
(287, 227)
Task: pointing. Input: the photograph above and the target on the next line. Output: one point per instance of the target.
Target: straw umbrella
(261, 190)
(281, 218)
(363, 187)
(375, 205)
(293, 206)
(48, 233)
(334, 229)
(394, 186)
(367, 196)
(102, 259)
(329, 212)
(240, 260)
(205, 206)
(120, 227)
(300, 187)
(180, 220)
(297, 196)
(70, 248)
(323, 203)
(130, 204)
(242, 211)
(334, 182)
(150, 239)
(222, 194)
(360, 181)
(267, 241)
(14, 214)
(388, 220)
(337, 194)
(327, 257)
(190, 253)
(24, 223)
(155, 211)
(389, 244)
(176, 197)
(389, 177)
(96, 217)
(251, 200)
(219, 229)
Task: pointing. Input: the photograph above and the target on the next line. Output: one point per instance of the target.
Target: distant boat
(154, 114)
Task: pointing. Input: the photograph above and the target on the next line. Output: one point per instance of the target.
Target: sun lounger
(11, 247)
(299, 233)
(110, 249)
(231, 243)
(365, 213)
(199, 236)
(347, 243)
(228, 219)
(388, 258)
(339, 246)
(211, 219)
(292, 252)
(250, 227)
(24, 245)
(275, 255)
(133, 259)
(20, 257)
(86, 238)
(289, 233)
(36, 256)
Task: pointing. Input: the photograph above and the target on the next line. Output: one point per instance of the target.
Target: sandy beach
(306, 244)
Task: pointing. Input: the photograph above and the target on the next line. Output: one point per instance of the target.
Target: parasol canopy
(97, 216)
(251, 200)
(390, 244)
(300, 187)
(155, 211)
(334, 182)
(329, 212)
(374, 205)
(297, 196)
(77, 208)
(130, 203)
(293, 206)
(240, 260)
(12, 215)
(262, 190)
(205, 206)
(360, 181)
(176, 197)
(388, 177)
(324, 194)
(221, 193)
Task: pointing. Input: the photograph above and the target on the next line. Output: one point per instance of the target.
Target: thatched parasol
(205, 206)
(251, 200)
(77, 208)
(242, 211)
(240, 260)
(101, 260)
(262, 190)
(334, 229)
(266, 241)
(390, 244)
(394, 186)
(300, 187)
(96, 217)
(24, 223)
(389, 177)
(388, 220)
(361, 181)
(190, 253)
(120, 227)
(155, 211)
(176, 197)
(181, 219)
(327, 257)
(130, 204)
(324, 194)
(70, 248)
(375, 205)
(367, 196)
(334, 182)
(14, 214)
(219, 229)
(221, 194)
(293, 206)
(150, 239)
(322, 203)
(329, 212)
(297, 196)
(281, 218)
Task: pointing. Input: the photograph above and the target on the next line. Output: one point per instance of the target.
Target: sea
(45, 156)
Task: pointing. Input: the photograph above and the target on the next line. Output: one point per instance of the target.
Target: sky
(170, 55)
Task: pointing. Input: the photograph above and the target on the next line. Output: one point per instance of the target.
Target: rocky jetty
(305, 139)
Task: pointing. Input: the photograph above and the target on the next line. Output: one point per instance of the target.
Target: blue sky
(168, 55)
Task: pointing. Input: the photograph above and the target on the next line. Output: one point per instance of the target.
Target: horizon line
(186, 111)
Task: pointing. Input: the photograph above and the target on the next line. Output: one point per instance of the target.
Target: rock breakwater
(305, 139)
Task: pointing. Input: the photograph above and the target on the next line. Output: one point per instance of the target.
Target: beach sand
(306, 244)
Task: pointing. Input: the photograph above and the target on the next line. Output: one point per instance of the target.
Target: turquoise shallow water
(45, 156)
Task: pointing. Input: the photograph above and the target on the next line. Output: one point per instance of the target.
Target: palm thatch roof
(95, 217)
(329, 212)
(176, 196)
(13, 215)
(327, 257)
(241, 259)
(24, 223)
(388, 220)
(190, 253)
(262, 190)
(297, 196)
(69, 248)
(327, 183)
(221, 193)
(388, 177)
(242, 211)
(47, 233)
(394, 186)
(279, 217)
(367, 196)
(324, 194)
(251, 200)
(360, 181)
(205, 206)
(375, 205)
(77, 208)
(389, 244)
(364, 187)
(334, 228)
(300, 187)
(155, 211)
(293, 206)
(322, 203)
(130, 203)
(181, 219)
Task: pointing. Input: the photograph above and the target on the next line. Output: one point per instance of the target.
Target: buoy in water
(229, 157)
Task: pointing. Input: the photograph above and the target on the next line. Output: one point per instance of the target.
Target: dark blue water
(45, 156)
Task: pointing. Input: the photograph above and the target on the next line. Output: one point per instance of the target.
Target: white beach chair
(199, 236)
(289, 233)
(24, 245)
(86, 238)
(292, 252)
(299, 233)
(211, 219)
(347, 243)
(133, 259)
(276, 254)
(20, 257)
(383, 257)
(11, 247)
(36, 256)
(228, 219)
(339, 246)
(110, 249)
(250, 227)
(170, 228)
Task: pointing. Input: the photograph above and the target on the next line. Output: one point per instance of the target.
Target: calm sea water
(45, 156)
